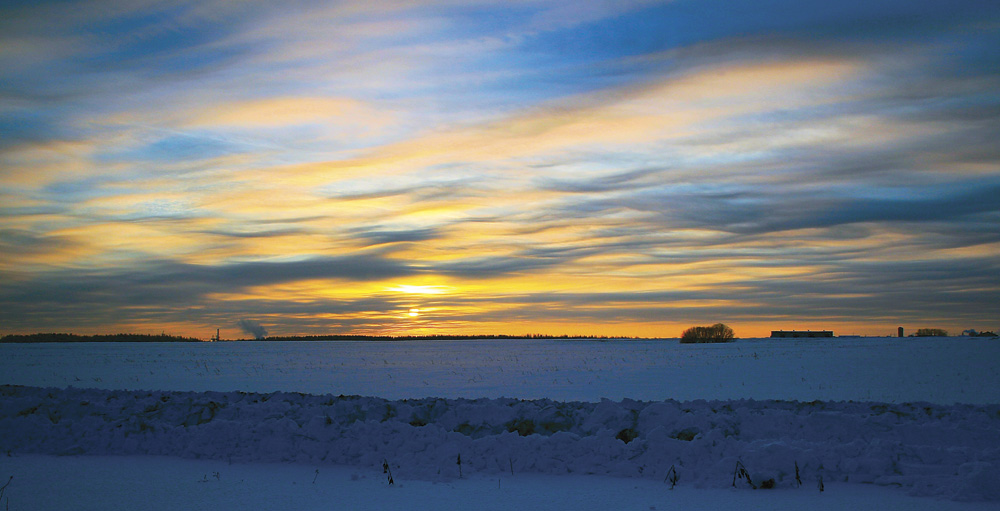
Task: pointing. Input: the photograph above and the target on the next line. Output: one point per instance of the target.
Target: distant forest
(430, 337)
(53, 337)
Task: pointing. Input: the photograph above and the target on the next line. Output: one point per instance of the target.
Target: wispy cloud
(618, 168)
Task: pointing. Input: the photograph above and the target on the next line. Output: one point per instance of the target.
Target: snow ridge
(930, 450)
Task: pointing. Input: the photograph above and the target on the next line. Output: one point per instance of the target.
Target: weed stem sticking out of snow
(672, 477)
(3, 492)
(386, 470)
(740, 472)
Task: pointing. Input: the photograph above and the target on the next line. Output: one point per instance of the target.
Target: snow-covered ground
(551, 443)
(937, 370)
(101, 483)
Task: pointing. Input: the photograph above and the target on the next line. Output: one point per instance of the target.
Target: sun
(413, 313)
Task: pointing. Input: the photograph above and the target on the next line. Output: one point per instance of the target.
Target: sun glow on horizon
(420, 290)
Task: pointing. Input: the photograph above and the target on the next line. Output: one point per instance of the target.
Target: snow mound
(930, 450)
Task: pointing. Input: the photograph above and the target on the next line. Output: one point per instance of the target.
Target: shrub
(687, 434)
(523, 427)
(627, 435)
(715, 333)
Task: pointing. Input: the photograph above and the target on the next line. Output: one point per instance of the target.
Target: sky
(476, 167)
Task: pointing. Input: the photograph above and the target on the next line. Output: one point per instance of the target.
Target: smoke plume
(253, 328)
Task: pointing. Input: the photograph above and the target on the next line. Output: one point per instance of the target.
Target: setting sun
(414, 313)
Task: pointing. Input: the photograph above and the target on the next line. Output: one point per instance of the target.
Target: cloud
(490, 267)
(276, 112)
(196, 163)
(380, 237)
(23, 246)
(754, 213)
(171, 283)
(257, 233)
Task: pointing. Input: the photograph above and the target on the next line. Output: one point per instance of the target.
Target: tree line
(56, 337)
(437, 337)
(62, 337)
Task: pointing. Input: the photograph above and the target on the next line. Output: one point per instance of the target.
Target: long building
(800, 333)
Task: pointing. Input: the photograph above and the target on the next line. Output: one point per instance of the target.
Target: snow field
(103, 483)
(99, 483)
(944, 451)
(885, 444)
(936, 370)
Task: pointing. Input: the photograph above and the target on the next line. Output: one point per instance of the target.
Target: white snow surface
(880, 412)
(936, 370)
(102, 483)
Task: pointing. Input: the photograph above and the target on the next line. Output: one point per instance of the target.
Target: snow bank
(930, 450)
